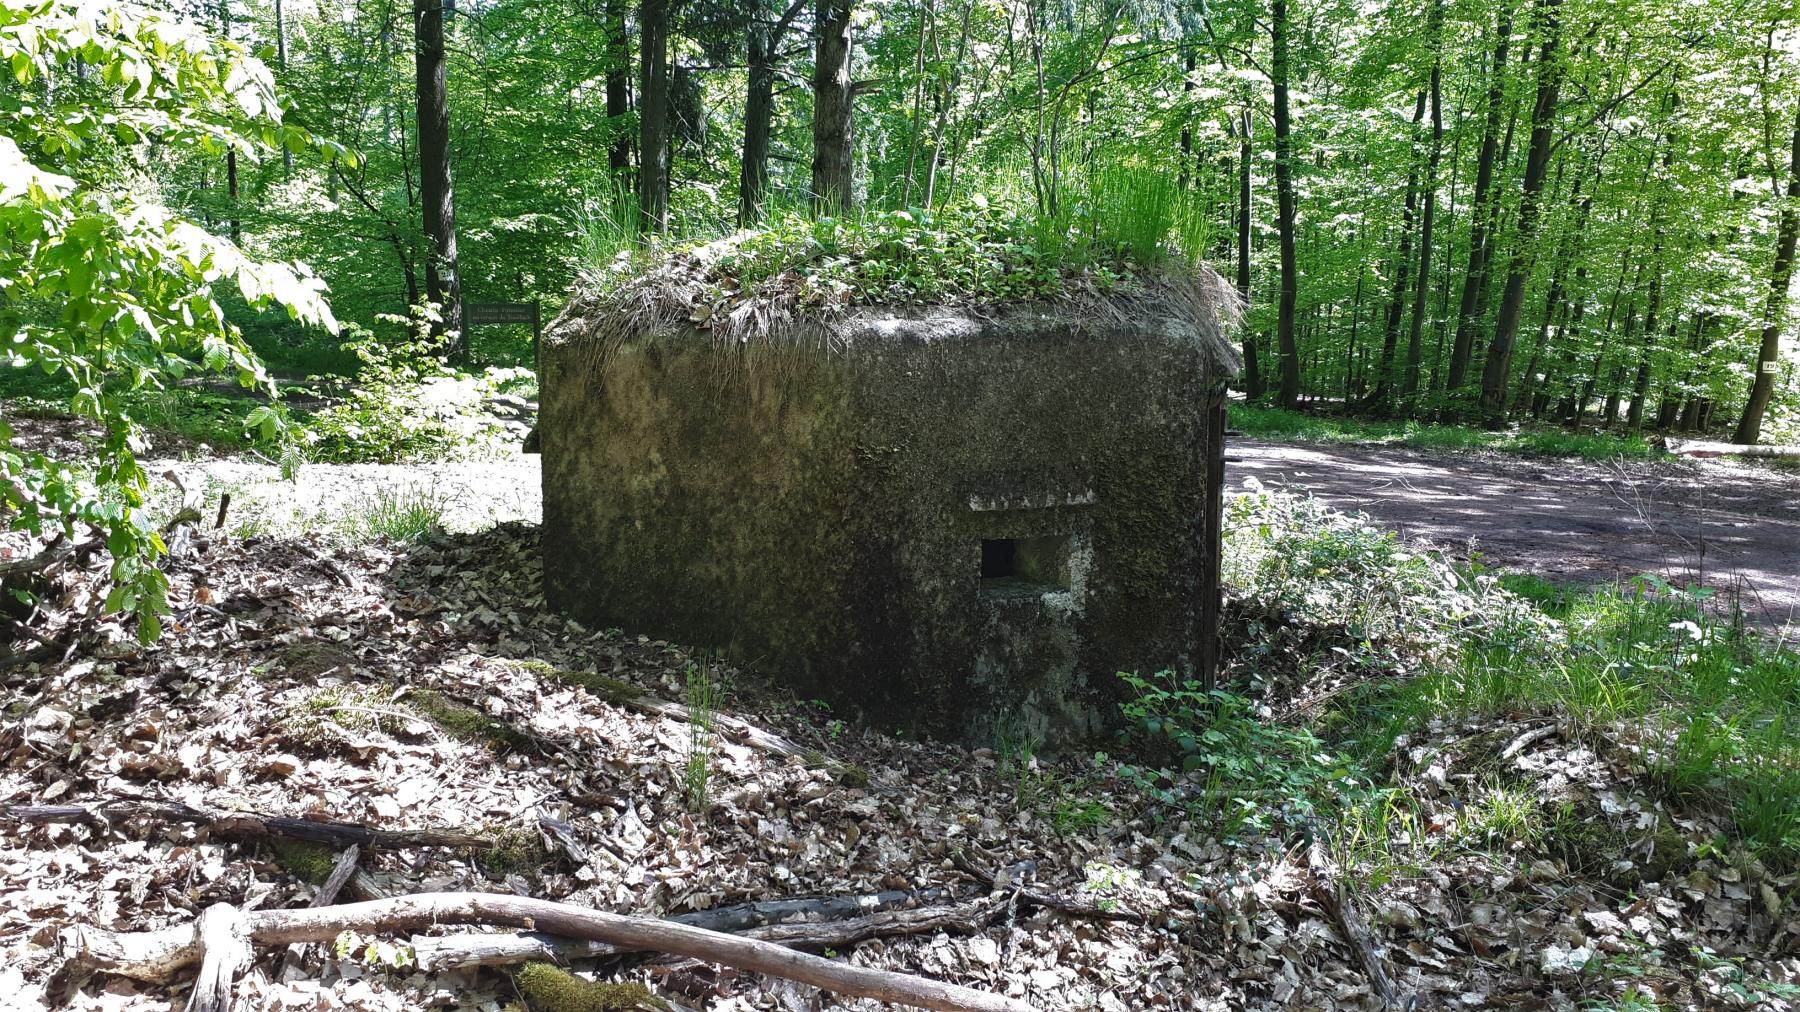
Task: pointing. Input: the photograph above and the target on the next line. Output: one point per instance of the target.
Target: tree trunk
(1498, 369)
(832, 141)
(618, 88)
(1409, 387)
(231, 166)
(281, 62)
(436, 188)
(1289, 393)
(1350, 354)
(1762, 385)
(1396, 310)
(1253, 381)
(759, 115)
(653, 114)
(1475, 281)
(915, 132)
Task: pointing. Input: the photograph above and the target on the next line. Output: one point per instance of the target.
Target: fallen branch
(826, 922)
(342, 870)
(156, 956)
(1526, 740)
(56, 550)
(1049, 901)
(242, 825)
(1341, 906)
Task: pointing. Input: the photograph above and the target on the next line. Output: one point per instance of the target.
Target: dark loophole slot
(1033, 565)
(998, 558)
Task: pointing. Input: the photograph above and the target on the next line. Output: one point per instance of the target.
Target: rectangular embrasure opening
(1025, 564)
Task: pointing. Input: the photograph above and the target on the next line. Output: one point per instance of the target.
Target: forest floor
(1731, 526)
(1520, 857)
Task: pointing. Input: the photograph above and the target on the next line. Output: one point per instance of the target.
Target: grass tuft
(405, 515)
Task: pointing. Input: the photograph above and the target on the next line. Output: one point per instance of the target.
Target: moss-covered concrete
(821, 511)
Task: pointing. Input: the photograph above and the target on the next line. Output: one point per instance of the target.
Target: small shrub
(407, 404)
(1251, 772)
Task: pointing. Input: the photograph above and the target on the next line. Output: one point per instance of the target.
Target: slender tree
(618, 87)
(1396, 310)
(1434, 29)
(759, 108)
(437, 190)
(1781, 276)
(1289, 392)
(1537, 165)
(653, 113)
(1475, 280)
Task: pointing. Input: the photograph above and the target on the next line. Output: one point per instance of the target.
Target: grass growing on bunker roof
(1126, 238)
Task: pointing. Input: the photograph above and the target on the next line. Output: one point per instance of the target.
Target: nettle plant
(100, 284)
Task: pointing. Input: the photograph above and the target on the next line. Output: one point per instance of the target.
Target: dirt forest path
(1731, 526)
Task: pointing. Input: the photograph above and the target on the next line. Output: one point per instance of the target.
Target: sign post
(480, 314)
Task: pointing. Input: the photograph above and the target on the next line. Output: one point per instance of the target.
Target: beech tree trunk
(1498, 368)
(1288, 394)
(1762, 384)
(1475, 281)
(832, 142)
(436, 188)
(1253, 381)
(759, 113)
(281, 60)
(1396, 310)
(1409, 386)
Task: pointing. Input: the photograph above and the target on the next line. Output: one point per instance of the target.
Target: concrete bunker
(947, 520)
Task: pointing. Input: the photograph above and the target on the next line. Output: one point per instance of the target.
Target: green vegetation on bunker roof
(972, 254)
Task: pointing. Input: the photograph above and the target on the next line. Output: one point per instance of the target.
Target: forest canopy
(1558, 209)
(1491, 208)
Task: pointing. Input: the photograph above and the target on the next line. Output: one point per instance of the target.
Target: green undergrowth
(1714, 707)
(1350, 651)
(1127, 223)
(1279, 423)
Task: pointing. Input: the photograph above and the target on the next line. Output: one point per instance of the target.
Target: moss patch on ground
(465, 723)
(549, 988)
(1583, 838)
(514, 851)
(309, 862)
(610, 690)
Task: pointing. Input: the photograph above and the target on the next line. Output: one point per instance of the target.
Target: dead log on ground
(1341, 906)
(241, 825)
(342, 870)
(157, 956)
(821, 923)
(1049, 901)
